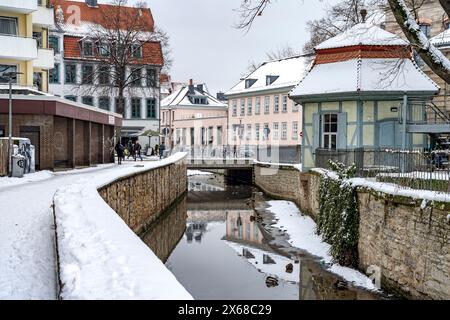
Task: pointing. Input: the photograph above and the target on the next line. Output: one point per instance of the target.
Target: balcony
(18, 6)
(17, 48)
(43, 17)
(45, 59)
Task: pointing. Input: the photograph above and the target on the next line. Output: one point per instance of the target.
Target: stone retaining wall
(140, 198)
(411, 245)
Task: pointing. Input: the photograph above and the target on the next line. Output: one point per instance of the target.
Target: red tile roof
(94, 14)
(151, 51)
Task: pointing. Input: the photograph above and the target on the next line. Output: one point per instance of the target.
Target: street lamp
(10, 76)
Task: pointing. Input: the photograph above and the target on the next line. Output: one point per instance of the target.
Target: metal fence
(418, 169)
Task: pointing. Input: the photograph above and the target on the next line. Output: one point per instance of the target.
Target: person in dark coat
(120, 152)
(162, 148)
(137, 151)
(130, 149)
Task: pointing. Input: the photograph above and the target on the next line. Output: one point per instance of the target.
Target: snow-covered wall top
(100, 257)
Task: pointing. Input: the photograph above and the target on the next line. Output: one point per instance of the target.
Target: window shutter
(342, 131)
(316, 131)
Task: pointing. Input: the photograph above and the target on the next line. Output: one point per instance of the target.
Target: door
(390, 134)
(33, 133)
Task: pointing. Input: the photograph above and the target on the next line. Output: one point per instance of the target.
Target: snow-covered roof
(363, 34)
(180, 98)
(442, 39)
(289, 71)
(369, 75)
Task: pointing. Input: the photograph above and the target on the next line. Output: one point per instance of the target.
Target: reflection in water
(166, 232)
(226, 254)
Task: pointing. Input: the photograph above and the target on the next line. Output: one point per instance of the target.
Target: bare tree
(122, 39)
(405, 13)
(432, 56)
(278, 54)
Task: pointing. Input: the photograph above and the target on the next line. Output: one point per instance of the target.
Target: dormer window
(270, 80)
(249, 83)
(136, 50)
(198, 100)
(88, 49)
(103, 49)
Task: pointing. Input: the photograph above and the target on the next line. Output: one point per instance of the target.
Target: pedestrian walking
(235, 151)
(137, 148)
(162, 148)
(120, 152)
(130, 149)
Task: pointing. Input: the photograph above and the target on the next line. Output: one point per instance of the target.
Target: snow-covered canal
(223, 242)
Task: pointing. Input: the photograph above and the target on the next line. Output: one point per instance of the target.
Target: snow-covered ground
(27, 259)
(301, 231)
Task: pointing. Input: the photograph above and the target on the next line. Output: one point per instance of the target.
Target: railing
(272, 154)
(425, 112)
(418, 169)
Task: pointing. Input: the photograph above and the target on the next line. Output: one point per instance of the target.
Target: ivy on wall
(338, 219)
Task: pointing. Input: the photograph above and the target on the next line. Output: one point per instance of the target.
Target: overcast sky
(207, 48)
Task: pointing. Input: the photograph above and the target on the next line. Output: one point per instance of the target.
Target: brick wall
(141, 198)
(411, 245)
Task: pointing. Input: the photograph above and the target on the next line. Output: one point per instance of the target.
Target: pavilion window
(329, 131)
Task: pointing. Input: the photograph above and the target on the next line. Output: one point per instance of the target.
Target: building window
(151, 108)
(136, 50)
(38, 37)
(266, 131)
(275, 130)
(270, 80)
(135, 76)
(8, 25)
(53, 43)
(4, 69)
(258, 105)
(242, 107)
(249, 106)
(199, 100)
(152, 78)
(71, 98)
(329, 129)
(285, 103)
(103, 103)
(71, 73)
(53, 76)
(88, 49)
(294, 130)
(88, 100)
(87, 74)
(103, 75)
(257, 131)
(136, 108)
(283, 130)
(266, 105)
(234, 108)
(276, 105)
(249, 83)
(103, 49)
(248, 135)
(426, 29)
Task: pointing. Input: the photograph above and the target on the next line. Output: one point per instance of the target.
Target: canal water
(219, 247)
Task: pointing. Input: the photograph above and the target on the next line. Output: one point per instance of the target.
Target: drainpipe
(404, 117)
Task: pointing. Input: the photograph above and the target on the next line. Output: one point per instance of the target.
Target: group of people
(132, 149)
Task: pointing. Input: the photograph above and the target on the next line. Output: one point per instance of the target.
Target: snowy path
(27, 262)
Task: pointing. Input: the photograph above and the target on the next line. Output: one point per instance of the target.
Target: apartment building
(191, 116)
(77, 56)
(260, 111)
(24, 48)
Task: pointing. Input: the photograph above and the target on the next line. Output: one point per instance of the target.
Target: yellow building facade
(24, 43)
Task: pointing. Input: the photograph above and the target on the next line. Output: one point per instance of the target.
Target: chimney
(191, 87)
(200, 88)
(92, 3)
